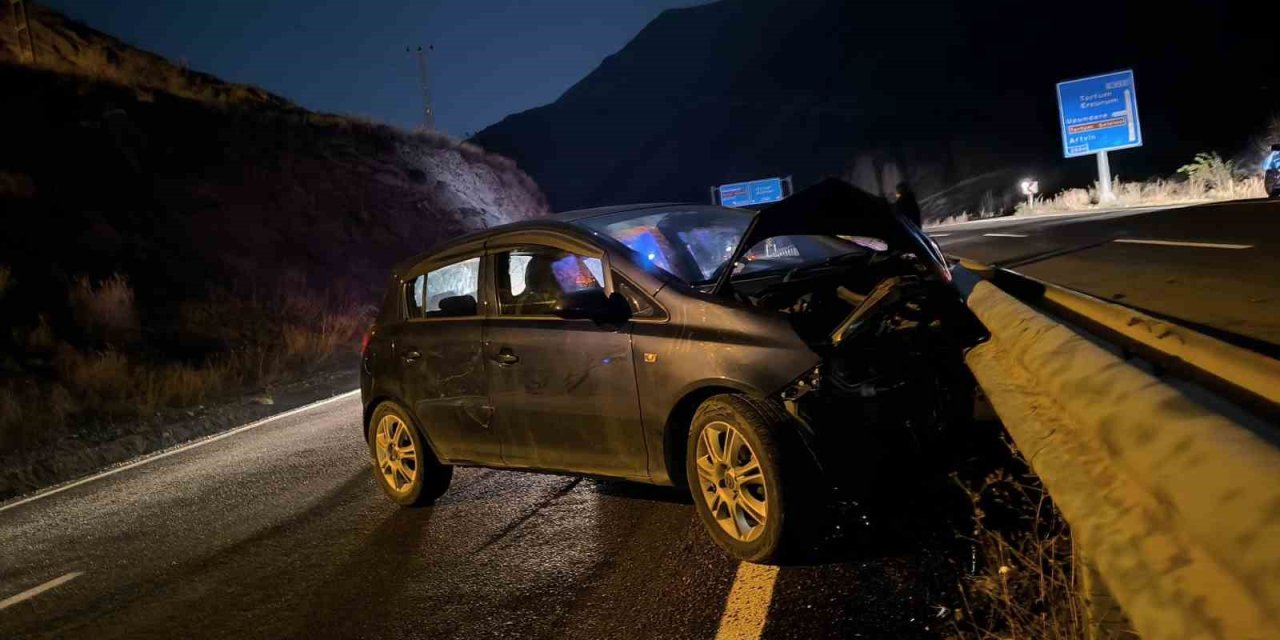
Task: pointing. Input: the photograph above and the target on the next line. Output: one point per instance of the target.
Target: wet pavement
(280, 531)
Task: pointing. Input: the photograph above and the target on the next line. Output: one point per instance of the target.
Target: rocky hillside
(956, 96)
(172, 242)
(116, 160)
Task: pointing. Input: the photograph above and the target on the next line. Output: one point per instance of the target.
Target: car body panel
(570, 402)
(446, 387)
(603, 400)
(708, 343)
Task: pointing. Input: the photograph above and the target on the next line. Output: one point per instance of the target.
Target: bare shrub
(1209, 172)
(1025, 586)
(1068, 200)
(105, 311)
(17, 185)
(182, 386)
(39, 339)
(30, 414)
(103, 381)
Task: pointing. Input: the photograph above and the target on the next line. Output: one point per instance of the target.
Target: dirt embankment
(171, 240)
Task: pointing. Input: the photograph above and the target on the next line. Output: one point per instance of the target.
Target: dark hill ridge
(945, 93)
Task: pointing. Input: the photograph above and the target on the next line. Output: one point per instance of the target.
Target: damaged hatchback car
(767, 361)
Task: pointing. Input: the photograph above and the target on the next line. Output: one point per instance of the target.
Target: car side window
(529, 281)
(448, 291)
(641, 305)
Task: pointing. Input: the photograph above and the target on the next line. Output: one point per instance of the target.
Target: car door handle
(411, 355)
(505, 357)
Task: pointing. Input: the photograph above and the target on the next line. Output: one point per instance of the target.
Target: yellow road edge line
(747, 608)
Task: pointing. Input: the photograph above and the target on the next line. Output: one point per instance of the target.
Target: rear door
(563, 391)
(441, 362)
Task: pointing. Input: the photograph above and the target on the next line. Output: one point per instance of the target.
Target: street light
(1030, 187)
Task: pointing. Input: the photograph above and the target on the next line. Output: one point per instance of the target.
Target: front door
(563, 391)
(440, 354)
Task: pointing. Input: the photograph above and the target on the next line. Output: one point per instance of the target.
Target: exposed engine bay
(891, 337)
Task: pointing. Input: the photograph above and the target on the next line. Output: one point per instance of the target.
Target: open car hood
(835, 208)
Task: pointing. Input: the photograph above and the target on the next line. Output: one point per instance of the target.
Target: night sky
(492, 57)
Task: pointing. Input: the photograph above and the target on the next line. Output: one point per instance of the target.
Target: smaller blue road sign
(1099, 113)
(743, 194)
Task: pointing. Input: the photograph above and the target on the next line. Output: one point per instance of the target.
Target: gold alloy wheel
(397, 456)
(732, 481)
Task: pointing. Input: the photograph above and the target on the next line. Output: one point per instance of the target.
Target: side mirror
(592, 304)
(458, 306)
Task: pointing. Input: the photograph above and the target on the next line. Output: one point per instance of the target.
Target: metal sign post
(1104, 178)
(1099, 114)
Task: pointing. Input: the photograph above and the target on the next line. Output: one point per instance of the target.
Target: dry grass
(253, 342)
(105, 310)
(30, 413)
(1207, 178)
(1025, 587)
(175, 386)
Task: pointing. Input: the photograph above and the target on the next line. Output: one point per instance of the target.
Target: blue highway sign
(1099, 113)
(743, 194)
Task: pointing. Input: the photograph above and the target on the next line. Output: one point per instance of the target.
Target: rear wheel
(748, 476)
(403, 464)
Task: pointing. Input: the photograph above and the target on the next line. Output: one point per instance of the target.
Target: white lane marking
(1178, 243)
(939, 235)
(35, 591)
(179, 449)
(1004, 235)
(748, 605)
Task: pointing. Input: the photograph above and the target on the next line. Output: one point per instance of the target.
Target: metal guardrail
(1173, 499)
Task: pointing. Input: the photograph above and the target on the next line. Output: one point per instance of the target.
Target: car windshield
(1273, 162)
(693, 243)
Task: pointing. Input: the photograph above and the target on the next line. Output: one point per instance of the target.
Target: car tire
(726, 493)
(403, 464)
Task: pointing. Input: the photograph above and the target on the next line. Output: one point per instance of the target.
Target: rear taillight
(364, 342)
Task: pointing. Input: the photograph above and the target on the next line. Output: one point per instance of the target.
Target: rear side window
(451, 290)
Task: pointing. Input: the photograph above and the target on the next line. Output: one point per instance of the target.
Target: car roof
(563, 221)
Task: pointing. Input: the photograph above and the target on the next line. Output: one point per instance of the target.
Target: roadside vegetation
(1021, 584)
(82, 369)
(1208, 177)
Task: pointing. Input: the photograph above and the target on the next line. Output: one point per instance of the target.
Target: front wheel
(747, 474)
(403, 464)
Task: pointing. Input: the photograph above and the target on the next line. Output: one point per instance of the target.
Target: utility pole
(428, 115)
(22, 28)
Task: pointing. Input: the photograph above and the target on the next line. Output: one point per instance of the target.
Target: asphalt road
(278, 531)
(1216, 265)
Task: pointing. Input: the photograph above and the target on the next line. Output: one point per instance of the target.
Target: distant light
(652, 256)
